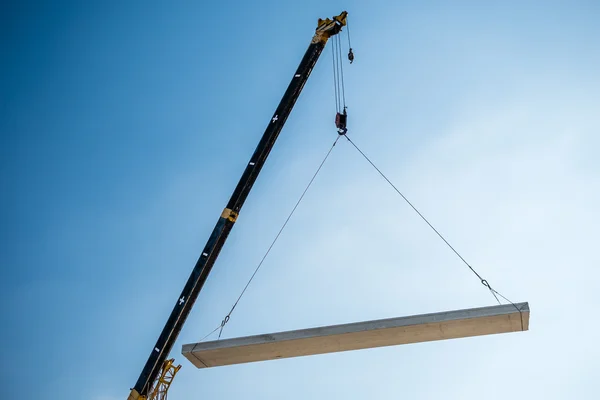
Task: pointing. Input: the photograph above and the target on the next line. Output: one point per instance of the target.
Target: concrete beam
(360, 335)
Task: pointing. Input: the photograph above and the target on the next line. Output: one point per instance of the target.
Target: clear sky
(125, 127)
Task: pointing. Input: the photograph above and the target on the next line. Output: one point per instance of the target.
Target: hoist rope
(335, 79)
(341, 73)
(338, 74)
(483, 281)
(228, 316)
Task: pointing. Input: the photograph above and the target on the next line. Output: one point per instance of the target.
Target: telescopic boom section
(185, 301)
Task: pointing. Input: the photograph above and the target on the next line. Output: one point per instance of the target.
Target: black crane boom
(325, 29)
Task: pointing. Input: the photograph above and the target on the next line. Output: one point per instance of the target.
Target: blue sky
(124, 129)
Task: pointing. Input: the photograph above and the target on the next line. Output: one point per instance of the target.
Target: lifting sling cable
(228, 316)
(483, 281)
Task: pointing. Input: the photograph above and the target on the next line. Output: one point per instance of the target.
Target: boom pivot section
(325, 29)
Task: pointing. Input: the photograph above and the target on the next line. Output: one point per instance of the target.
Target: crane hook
(340, 122)
(350, 55)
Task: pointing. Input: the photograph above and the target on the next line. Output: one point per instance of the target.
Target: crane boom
(325, 29)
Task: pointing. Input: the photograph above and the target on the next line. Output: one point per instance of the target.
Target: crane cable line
(341, 73)
(336, 88)
(483, 281)
(338, 75)
(228, 316)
